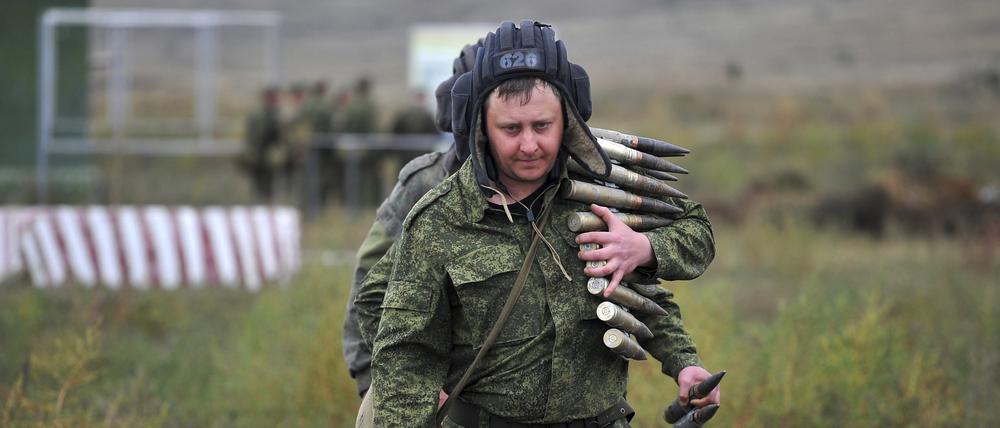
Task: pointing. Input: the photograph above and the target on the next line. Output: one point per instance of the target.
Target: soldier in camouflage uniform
(415, 179)
(414, 118)
(261, 156)
(317, 112)
(465, 240)
(360, 116)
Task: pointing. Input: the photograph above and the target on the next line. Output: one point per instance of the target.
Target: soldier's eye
(543, 126)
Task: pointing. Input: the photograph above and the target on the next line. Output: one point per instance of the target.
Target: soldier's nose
(529, 143)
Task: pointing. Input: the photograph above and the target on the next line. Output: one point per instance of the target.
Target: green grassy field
(815, 329)
(816, 326)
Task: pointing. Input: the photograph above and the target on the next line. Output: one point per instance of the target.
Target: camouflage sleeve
(413, 342)
(686, 247)
(360, 324)
(369, 297)
(670, 344)
(683, 250)
(356, 346)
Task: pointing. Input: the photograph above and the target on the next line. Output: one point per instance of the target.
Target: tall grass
(815, 329)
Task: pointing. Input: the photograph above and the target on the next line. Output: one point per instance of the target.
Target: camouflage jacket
(359, 117)
(451, 272)
(262, 132)
(415, 179)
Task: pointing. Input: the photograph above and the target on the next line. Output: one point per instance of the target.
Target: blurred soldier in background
(262, 157)
(341, 99)
(416, 178)
(360, 114)
(360, 117)
(333, 167)
(414, 118)
(318, 112)
(298, 131)
(412, 122)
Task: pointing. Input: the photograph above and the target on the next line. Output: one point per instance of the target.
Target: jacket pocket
(482, 280)
(407, 296)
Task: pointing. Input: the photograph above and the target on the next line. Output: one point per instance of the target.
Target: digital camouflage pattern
(415, 179)
(452, 272)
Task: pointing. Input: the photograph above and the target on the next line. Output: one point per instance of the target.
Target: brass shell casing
(617, 317)
(616, 198)
(589, 222)
(623, 345)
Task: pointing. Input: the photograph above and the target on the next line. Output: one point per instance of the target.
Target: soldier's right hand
(623, 248)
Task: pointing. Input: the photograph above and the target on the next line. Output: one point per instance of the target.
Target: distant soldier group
(285, 126)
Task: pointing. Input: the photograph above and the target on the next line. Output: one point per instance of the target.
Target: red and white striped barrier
(151, 246)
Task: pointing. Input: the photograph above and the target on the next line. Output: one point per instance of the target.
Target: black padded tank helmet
(530, 50)
(463, 63)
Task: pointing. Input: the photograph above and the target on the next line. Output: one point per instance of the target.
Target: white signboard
(433, 48)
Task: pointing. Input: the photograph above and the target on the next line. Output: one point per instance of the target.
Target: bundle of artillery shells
(625, 296)
(636, 184)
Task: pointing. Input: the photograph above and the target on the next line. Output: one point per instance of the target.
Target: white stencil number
(518, 59)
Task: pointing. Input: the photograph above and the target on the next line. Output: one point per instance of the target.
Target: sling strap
(515, 291)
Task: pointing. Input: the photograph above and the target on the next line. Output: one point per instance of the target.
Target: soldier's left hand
(621, 247)
(693, 375)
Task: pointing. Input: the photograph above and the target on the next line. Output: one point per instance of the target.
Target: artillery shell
(676, 410)
(697, 417)
(596, 286)
(617, 317)
(625, 297)
(635, 278)
(703, 414)
(644, 144)
(648, 290)
(652, 173)
(588, 222)
(624, 154)
(616, 198)
(623, 345)
(590, 246)
(631, 180)
(704, 388)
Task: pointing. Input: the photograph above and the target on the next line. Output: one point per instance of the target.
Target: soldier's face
(524, 137)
